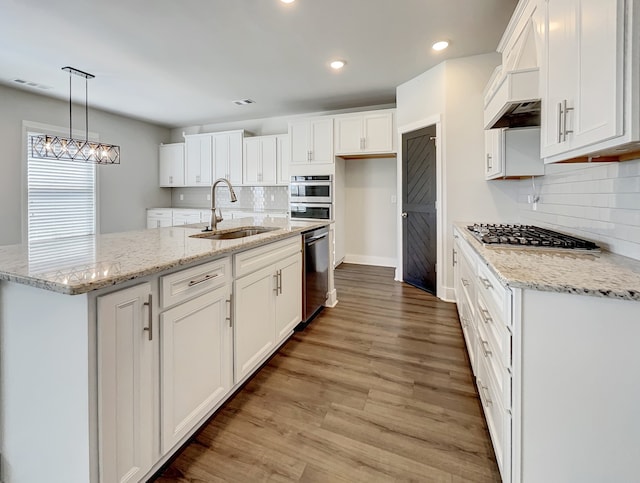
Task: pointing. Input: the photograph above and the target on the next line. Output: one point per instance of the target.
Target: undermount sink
(233, 234)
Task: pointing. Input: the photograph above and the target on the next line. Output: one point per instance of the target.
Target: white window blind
(61, 198)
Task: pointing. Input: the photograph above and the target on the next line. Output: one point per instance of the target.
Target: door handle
(149, 328)
(404, 214)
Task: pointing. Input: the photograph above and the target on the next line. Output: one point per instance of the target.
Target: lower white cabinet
(125, 384)
(267, 301)
(196, 361)
(157, 218)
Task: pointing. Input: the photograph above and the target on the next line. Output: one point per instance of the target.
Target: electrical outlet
(208, 197)
(273, 198)
(394, 199)
(181, 197)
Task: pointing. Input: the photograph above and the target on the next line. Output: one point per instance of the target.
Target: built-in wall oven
(311, 197)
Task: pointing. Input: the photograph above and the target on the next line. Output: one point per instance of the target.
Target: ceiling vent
(31, 84)
(243, 102)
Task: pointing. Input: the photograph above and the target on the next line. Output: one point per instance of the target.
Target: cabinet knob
(404, 214)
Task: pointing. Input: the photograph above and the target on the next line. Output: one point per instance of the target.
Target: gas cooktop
(527, 236)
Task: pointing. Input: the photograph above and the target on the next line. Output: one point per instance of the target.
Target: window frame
(30, 126)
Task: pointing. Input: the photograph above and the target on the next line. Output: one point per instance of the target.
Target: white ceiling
(181, 62)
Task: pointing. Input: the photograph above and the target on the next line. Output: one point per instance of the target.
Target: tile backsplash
(597, 201)
(256, 198)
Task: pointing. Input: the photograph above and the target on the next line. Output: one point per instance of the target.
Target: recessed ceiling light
(440, 45)
(337, 64)
(287, 1)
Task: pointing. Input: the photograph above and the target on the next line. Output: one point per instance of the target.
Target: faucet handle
(218, 216)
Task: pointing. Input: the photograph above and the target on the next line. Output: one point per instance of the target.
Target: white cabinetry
(283, 160)
(125, 384)
(589, 70)
(157, 218)
(199, 159)
(171, 167)
(267, 301)
(364, 133)
(260, 160)
(196, 361)
(311, 141)
(227, 155)
(185, 217)
(513, 153)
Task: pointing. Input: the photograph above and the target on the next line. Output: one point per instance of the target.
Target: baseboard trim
(332, 299)
(368, 260)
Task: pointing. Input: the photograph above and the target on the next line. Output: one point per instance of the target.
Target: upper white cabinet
(260, 160)
(512, 153)
(227, 155)
(199, 159)
(311, 141)
(364, 133)
(171, 167)
(283, 160)
(588, 73)
(125, 384)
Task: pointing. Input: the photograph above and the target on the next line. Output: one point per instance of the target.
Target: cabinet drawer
(252, 260)
(498, 419)
(160, 213)
(490, 351)
(467, 280)
(496, 295)
(495, 332)
(469, 332)
(180, 286)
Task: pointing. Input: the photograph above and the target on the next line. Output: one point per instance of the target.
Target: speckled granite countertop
(570, 271)
(93, 262)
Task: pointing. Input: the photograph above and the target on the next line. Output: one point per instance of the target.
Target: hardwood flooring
(377, 389)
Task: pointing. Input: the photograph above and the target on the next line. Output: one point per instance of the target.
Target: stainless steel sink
(233, 234)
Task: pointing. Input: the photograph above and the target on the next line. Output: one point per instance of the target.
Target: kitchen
(597, 201)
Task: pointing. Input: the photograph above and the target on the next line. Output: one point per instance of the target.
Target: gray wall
(124, 190)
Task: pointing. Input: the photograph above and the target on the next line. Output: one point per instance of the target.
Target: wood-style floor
(377, 389)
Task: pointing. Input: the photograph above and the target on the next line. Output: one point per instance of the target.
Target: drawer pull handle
(230, 302)
(486, 283)
(485, 348)
(487, 399)
(486, 317)
(465, 282)
(208, 276)
(465, 324)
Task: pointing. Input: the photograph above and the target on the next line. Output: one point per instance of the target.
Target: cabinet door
(196, 367)
(221, 156)
(268, 160)
(283, 160)
(378, 133)
(171, 164)
(349, 135)
(288, 295)
(598, 109)
(251, 168)
(235, 158)
(494, 153)
(254, 325)
(321, 146)
(125, 384)
(299, 142)
(198, 160)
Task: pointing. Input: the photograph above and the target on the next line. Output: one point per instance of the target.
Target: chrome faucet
(215, 217)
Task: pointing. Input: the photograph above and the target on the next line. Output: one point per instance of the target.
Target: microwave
(310, 211)
(311, 189)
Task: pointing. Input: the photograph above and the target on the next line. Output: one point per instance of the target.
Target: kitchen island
(117, 348)
(552, 337)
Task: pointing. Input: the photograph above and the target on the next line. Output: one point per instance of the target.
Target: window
(61, 211)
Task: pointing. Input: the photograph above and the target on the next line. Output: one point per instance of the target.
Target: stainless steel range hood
(512, 97)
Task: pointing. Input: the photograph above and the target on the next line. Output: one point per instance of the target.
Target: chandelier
(57, 147)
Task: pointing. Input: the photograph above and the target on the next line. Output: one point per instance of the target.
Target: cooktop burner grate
(528, 236)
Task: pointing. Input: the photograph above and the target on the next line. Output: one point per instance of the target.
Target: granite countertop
(600, 274)
(89, 263)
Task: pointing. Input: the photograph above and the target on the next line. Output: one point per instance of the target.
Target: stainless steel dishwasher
(316, 273)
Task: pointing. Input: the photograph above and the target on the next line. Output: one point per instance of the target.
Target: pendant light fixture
(56, 147)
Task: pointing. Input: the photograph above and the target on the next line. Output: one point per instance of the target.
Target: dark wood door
(419, 233)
